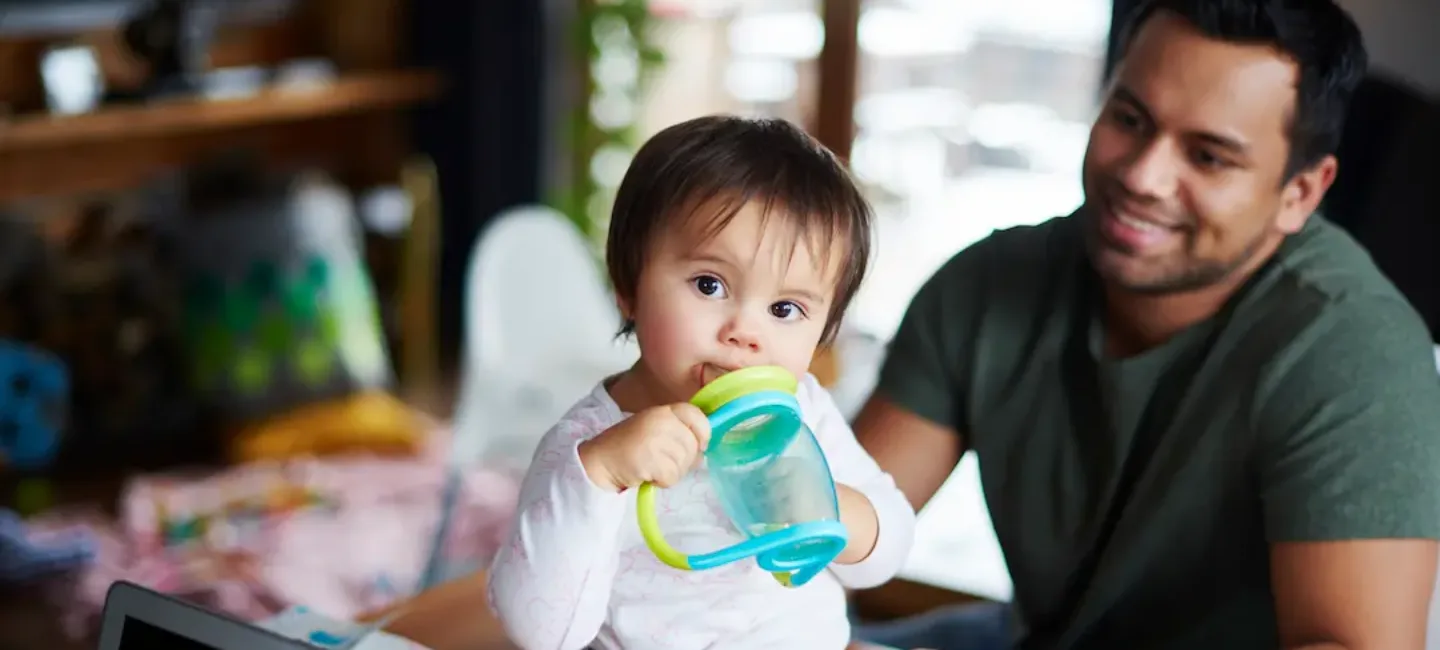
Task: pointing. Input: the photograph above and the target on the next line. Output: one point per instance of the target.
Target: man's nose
(1152, 171)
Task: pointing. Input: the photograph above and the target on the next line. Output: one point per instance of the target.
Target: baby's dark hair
(723, 163)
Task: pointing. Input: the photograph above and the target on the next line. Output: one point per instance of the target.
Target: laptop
(136, 618)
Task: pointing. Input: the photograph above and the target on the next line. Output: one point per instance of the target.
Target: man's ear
(1302, 194)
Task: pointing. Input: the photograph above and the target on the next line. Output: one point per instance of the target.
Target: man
(1203, 418)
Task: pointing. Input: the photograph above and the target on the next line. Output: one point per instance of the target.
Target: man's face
(1184, 173)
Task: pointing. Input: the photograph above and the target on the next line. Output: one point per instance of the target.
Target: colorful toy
(771, 478)
(240, 513)
(282, 323)
(34, 396)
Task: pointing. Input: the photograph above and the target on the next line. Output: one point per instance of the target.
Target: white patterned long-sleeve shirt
(576, 572)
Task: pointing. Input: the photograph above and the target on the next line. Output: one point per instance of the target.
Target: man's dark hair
(1318, 35)
(720, 164)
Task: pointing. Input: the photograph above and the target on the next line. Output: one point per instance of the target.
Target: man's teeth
(1143, 226)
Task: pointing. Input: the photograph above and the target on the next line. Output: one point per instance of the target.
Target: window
(971, 116)
(752, 57)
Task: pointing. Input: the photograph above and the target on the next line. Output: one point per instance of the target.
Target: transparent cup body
(770, 474)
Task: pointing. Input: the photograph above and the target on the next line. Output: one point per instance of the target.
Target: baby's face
(755, 293)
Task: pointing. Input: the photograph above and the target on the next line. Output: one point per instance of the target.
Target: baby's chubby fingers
(668, 472)
(694, 419)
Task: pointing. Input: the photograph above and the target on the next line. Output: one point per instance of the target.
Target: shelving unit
(350, 125)
(354, 126)
(350, 95)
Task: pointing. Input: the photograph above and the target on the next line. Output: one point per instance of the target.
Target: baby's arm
(880, 520)
(550, 584)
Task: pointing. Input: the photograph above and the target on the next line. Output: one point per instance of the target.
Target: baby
(733, 243)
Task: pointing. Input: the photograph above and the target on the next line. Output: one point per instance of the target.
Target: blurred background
(289, 289)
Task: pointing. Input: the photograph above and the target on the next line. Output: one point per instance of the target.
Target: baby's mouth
(711, 372)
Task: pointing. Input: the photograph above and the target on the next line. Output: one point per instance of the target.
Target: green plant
(615, 55)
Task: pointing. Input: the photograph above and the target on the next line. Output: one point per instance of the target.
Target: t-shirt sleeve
(1348, 425)
(922, 366)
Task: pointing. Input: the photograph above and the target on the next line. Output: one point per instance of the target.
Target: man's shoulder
(1327, 333)
(993, 291)
(1324, 287)
(1340, 375)
(1006, 284)
(1337, 339)
(1325, 260)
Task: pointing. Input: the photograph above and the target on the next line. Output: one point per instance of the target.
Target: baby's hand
(658, 445)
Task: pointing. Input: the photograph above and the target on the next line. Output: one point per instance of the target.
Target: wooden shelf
(347, 95)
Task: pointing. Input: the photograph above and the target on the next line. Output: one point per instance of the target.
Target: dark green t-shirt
(1308, 409)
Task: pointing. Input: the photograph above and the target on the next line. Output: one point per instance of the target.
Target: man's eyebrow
(1124, 95)
(1233, 144)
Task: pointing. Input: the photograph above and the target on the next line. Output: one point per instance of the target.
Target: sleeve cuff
(894, 534)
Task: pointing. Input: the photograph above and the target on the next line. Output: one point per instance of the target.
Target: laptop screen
(136, 634)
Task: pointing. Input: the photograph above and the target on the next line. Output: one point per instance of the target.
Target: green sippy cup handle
(710, 398)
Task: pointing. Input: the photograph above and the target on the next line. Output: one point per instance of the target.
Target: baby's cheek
(797, 368)
(797, 349)
(669, 337)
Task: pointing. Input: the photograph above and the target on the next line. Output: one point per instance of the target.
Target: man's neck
(1135, 323)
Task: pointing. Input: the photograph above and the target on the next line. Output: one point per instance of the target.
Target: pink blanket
(339, 536)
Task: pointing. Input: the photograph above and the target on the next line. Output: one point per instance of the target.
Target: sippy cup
(771, 478)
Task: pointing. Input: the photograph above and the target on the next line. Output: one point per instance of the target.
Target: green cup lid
(743, 382)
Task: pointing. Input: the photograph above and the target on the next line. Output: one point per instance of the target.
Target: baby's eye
(786, 310)
(709, 285)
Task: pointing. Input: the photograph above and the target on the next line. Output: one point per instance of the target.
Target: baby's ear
(627, 319)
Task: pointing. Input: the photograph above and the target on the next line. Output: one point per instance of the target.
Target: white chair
(540, 325)
(540, 332)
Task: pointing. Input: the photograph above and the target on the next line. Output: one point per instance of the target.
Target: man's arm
(876, 513)
(911, 424)
(918, 453)
(1348, 466)
(1353, 595)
